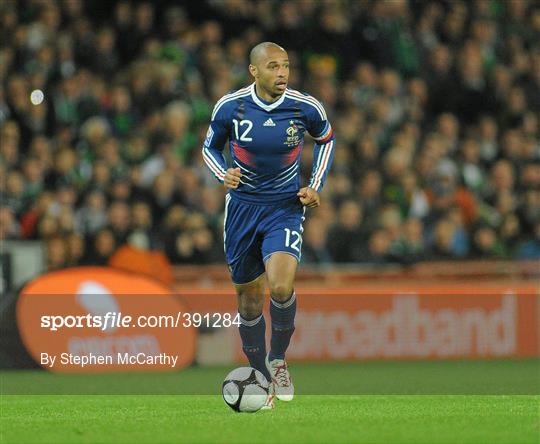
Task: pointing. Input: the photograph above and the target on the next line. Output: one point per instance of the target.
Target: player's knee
(280, 292)
(250, 306)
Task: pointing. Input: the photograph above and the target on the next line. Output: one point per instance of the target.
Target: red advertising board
(412, 322)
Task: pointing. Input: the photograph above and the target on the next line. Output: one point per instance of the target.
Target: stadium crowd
(435, 107)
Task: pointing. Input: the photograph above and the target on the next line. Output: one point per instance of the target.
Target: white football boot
(281, 378)
(269, 405)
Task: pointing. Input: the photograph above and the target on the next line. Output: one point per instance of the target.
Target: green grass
(308, 419)
(457, 377)
(372, 402)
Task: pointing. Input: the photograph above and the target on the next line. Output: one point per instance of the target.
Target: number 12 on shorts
(296, 241)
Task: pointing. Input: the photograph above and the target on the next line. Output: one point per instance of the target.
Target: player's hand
(309, 197)
(232, 178)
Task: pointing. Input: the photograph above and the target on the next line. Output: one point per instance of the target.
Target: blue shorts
(253, 232)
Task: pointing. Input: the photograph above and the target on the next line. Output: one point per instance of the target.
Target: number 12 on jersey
(298, 240)
(244, 137)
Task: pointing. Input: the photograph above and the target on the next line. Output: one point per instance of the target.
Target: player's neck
(262, 94)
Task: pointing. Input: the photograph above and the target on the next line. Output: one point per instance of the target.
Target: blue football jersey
(266, 140)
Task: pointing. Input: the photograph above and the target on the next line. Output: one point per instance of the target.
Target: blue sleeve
(320, 129)
(216, 136)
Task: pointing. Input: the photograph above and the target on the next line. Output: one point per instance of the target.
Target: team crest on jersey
(293, 138)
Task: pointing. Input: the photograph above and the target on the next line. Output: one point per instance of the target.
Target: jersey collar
(263, 105)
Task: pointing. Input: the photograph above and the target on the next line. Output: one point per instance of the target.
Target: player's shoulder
(231, 95)
(297, 93)
(229, 100)
(307, 101)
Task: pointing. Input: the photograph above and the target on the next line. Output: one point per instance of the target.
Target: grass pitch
(308, 419)
(433, 402)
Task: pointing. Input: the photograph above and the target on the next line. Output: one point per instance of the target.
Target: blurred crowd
(435, 106)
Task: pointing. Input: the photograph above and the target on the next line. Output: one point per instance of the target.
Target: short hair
(258, 50)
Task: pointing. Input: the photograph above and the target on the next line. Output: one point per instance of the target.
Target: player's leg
(243, 254)
(281, 252)
(280, 272)
(252, 324)
(253, 328)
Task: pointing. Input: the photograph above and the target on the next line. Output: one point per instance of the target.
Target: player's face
(272, 72)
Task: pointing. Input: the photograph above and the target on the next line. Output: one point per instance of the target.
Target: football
(245, 389)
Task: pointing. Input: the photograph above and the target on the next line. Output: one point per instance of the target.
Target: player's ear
(253, 70)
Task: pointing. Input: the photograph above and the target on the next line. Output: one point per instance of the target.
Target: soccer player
(265, 124)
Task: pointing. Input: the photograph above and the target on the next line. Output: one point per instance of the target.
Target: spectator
(118, 219)
(163, 194)
(346, 237)
(412, 244)
(76, 249)
(57, 254)
(378, 251)
(315, 250)
(486, 244)
(445, 193)
(443, 245)
(102, 247)
(510, 234)
(530, 249)
(9, 228)
(471, 171)
(93, 215)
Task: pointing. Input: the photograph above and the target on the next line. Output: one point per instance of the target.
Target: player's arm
(323, 152)
(217, 135)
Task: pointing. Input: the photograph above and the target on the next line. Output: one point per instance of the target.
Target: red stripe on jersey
(291, 156)
(243, 155)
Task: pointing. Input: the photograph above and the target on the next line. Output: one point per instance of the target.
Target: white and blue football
(245, 389)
